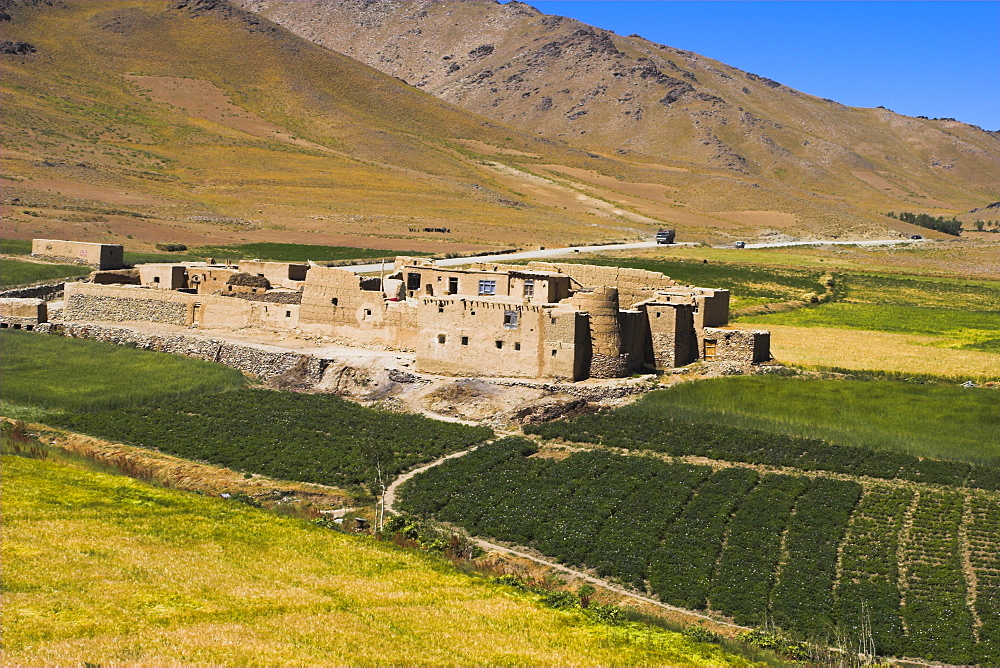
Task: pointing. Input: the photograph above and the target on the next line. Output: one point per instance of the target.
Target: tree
(379, 456)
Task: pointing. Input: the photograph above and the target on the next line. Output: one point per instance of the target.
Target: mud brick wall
(634, 285)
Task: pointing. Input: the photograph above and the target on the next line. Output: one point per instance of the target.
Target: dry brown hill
(630, 97)
(199, 121)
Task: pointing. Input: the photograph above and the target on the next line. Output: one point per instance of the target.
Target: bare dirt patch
(96, 193)
(483, 147)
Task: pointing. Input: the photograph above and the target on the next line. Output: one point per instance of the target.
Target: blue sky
(920, 58)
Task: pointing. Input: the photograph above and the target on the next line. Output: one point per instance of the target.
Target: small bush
(171, 248)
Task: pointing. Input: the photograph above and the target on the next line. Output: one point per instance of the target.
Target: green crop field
(294, 252)
(761, 547)
(59, 374)
(15, 246)
(102, 570)
(939, 421)
(965, 314)
(305, 437)
(132, 258)
(16, 272)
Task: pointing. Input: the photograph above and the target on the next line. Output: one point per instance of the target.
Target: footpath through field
(390, 500)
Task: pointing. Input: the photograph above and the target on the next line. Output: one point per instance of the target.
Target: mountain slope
(133, 116)
(650, 102)
(201, 122)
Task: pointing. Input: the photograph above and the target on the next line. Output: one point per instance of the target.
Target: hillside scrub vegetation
(306, 437)
(937, 421)
(64, 375)
(142, 575)
(760, 547)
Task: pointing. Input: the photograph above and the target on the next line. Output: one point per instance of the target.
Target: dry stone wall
(124, 309)
(740, 346)
(47, 291)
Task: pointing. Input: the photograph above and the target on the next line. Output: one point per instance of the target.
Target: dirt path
(390, 501)
(390, 492)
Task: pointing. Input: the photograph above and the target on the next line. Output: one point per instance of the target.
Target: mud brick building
(542, 320)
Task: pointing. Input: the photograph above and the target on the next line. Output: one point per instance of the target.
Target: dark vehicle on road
(665, 236)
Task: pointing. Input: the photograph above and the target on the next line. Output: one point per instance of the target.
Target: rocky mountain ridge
(628, 96)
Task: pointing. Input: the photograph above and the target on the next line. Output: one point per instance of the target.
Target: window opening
(517, 346)
(441, 338)
(465, 340)
(529, 288)
(453, 285)
(335, 301)
(510, 319)
(487, 287)
(413, 281)
(499, 345)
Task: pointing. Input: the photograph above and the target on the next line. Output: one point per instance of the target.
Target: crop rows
(803, 596)
(982, 531)
(312, 438)
(681, 570)
(645, 429)
(935, 611)
(743, 577)
(868, 590)
(810, 554)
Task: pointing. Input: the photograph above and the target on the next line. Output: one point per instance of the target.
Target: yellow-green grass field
(107, 570)
(823, 347)
(17, 272)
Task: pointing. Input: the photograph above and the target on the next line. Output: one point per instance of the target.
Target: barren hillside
(630, 97)
(203, 122)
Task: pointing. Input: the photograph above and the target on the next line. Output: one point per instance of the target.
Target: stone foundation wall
(741, 346)
(249, 359)
(46, 291)
(609, 366)
(123, 309)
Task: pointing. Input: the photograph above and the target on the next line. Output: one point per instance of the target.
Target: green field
(100, 569)
(132, 259)
(965, 314)
(59, 374)
(15, 246)
(294, 252)
(942, 422)
(760, 547)
(16, 272)
(294, 436)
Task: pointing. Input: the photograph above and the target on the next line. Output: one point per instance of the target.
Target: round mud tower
(607, 359)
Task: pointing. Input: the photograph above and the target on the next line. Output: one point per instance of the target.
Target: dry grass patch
(879, 351)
